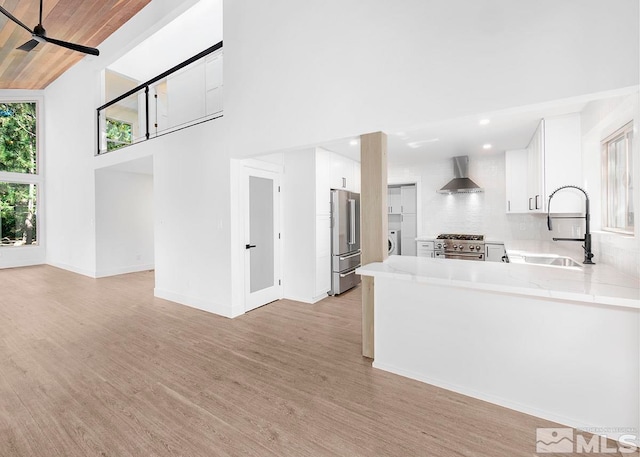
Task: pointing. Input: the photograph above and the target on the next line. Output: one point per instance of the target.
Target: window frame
(29, 178)
(625, 132)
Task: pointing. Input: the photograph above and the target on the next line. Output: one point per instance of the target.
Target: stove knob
(477, 248)
(455, 246)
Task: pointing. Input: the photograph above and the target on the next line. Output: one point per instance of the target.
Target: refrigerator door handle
(352, 272)
(352, 221)
(350, 256)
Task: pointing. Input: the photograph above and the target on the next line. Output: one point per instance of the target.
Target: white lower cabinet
(425, 248)
(408, 234)
(494, 252)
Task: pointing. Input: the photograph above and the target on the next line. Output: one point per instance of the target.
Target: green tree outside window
(18, 154)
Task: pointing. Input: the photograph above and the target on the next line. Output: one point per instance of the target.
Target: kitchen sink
(553, 261)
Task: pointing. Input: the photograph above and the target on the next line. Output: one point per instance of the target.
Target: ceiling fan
(39, 35)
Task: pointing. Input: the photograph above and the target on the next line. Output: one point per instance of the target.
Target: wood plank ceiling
(86, 22)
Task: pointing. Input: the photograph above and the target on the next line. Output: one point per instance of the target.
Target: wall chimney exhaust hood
(461, 183)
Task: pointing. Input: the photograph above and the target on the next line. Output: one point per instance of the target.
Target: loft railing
(188, 94)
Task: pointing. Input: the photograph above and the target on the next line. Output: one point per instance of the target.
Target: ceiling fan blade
(72, 46)
(29, 45)
(14, 19)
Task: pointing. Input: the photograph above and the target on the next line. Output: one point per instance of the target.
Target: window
(18, 145)
(617, 182)
(119, 133)
(18, 214)
(19, 174)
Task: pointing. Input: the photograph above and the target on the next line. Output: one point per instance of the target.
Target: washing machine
(394, 242)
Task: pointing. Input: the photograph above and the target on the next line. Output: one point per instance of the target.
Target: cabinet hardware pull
(530, 200)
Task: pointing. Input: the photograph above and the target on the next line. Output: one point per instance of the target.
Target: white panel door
(262, 238)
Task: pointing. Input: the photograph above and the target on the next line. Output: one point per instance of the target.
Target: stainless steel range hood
(461, 183)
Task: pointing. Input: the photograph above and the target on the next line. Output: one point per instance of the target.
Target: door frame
(253, 167)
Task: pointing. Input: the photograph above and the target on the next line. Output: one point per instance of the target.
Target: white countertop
(598, 284)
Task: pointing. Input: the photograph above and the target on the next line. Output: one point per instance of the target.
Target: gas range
(466, 247)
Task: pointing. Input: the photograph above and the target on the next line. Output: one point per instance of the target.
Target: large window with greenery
(617, 182)
(18, 174)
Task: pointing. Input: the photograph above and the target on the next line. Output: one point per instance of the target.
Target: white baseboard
(542, 414)
(307, 300)
(71, 268)
(124, 270)
(22, 263)
(197, 303)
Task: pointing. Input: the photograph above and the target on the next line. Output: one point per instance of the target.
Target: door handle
(344, 275)
(350, 256)
(249, 246)
(352, 221)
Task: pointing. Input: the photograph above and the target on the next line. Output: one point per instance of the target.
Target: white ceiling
(190, 33)
(506, 130)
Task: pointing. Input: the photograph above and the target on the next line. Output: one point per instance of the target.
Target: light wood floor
(102, 368)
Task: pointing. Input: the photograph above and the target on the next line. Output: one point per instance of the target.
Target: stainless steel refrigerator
(345, 240)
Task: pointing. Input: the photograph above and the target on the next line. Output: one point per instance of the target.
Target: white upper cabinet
(345, 173)
(356, 177)
(394, 200)
(552, 159)
(323, 182)
(535, 167)
(563, 163)
(516, 170)
(401, 199)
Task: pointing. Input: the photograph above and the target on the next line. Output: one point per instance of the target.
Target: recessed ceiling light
(353, 142)
(486, 146)
(484, 121)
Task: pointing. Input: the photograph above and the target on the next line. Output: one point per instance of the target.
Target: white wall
(600, 119)
(299, 225)
(124, 222)
(302, 73)
(192, 217)
(191, 181)
(70, 142)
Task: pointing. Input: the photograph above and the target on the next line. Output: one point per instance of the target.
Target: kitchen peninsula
(558, 343)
